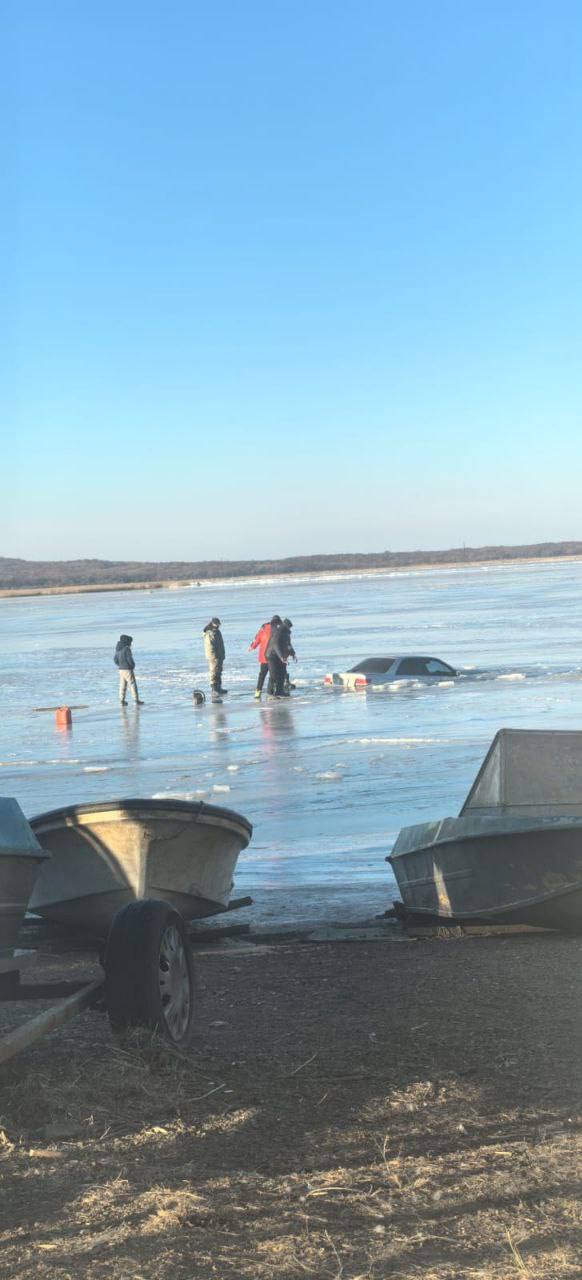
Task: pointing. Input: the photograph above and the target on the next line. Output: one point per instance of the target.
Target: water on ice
(322, 826)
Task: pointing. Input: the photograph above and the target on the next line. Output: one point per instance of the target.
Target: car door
(439, 670)
(411, 669)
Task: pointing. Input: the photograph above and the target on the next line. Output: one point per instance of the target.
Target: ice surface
(322, 829)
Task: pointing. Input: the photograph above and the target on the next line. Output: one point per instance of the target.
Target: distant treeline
(15, 574)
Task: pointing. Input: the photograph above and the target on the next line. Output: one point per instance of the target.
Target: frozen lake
(327, 778)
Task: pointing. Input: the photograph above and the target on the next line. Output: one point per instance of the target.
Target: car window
(436, 668)
(412, 667)
(373, 666)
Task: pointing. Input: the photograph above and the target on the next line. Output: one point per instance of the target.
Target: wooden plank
(75, 706)
(34, 1028)
(453, 930)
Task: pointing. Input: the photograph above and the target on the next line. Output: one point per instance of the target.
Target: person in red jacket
(260, 643)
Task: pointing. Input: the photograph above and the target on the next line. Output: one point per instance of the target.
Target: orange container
(64, 718)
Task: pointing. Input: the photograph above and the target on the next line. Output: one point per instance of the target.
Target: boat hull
(493, 869)
(21, 856)
(106, 855)
(17, 877)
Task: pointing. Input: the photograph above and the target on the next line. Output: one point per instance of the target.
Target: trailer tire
(149, 971)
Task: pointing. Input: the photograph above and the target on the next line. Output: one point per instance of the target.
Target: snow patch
(394, 742)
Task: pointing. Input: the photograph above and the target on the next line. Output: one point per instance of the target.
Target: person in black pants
(260, 643)
(278, 652)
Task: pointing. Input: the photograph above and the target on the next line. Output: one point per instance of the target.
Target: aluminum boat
(514, 854)
(21, 857)
(107, 854)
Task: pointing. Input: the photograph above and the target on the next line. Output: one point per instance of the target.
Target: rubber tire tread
(131, 963)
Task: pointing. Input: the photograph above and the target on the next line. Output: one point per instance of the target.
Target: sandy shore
(357, 1110)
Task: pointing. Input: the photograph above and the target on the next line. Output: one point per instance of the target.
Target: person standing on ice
(279, 650)
(215, 654)
(124, 660)
(260, 643)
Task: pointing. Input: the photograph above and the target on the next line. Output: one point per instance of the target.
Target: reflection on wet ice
(276, 719)
(130, 724)
(218, 725)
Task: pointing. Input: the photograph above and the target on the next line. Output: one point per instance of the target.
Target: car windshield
(373, 666)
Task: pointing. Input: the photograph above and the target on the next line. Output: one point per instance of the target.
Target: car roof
(383, 663)
(421, 657)
(380, 664)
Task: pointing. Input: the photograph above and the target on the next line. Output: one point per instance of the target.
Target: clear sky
(290, 277)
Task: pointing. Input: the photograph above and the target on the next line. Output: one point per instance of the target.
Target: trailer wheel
(149, 971)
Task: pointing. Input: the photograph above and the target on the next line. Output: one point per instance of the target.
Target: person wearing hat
(215, 653)
(124, 661)
(279, 650)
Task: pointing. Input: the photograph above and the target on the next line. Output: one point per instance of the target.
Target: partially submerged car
(380, 672)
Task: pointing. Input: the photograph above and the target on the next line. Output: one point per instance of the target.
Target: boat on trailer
(21, 858)
(128, 871)
(105, 855)
(514, 854)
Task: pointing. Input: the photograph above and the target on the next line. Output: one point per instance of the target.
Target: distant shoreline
(176, 584)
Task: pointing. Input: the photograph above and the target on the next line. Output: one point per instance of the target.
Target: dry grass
(345, 1148)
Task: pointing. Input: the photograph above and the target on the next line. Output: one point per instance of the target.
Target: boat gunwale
(14, 852)
(554, 823)
(196, 810)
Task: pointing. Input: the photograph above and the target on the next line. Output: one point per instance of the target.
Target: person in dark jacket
(279, 650)
(215, 654)
(260, 643)
(123, 659)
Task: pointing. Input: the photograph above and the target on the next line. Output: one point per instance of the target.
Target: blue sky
(288, 278)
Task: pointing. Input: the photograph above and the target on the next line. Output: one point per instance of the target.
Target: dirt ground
(348, 1110)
